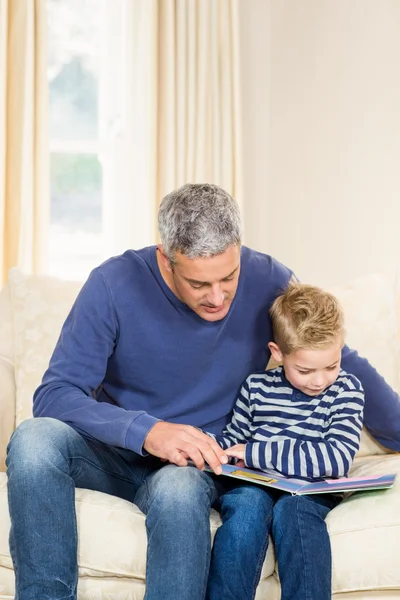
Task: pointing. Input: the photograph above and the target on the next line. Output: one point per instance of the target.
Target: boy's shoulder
(270, 377)
(348, 381)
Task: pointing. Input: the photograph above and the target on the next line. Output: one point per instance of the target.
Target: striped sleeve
(331, 456)
(238, 430)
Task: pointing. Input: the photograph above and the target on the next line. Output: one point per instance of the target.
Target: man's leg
(241, 543)
(177, 502)
(46, 460)
(302, 546)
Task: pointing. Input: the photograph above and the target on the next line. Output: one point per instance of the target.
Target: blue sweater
(130, 353)
(295, 434)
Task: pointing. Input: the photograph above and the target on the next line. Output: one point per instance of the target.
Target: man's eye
(229, 278)
(196, 287)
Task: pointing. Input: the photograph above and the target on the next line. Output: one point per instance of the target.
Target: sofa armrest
(7, 407)
(7, 379)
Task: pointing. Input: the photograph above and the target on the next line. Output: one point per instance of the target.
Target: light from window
(74, 68)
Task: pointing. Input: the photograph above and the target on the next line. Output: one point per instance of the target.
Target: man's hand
(178, 443)
(238, 451)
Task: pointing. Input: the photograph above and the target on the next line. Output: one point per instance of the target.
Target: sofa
(364, 529)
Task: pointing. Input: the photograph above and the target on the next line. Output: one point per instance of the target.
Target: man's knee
(36, 441)
(180, 487)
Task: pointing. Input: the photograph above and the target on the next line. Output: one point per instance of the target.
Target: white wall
(331, 210)
(254, 30)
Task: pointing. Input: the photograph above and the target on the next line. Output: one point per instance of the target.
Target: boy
(302, 419)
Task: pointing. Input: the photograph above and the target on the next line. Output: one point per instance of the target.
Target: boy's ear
(275, 352)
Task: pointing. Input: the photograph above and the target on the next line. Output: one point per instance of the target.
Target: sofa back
(33, 309)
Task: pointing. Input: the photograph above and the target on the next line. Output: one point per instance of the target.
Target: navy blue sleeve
(77, 368)
(382, 403)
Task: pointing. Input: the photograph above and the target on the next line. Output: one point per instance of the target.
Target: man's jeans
(47, 459)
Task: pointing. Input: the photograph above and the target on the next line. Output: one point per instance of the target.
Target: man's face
(206, 285)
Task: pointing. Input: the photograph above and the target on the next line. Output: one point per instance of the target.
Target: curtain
(24, 168)
(179, 118)
(198, 94)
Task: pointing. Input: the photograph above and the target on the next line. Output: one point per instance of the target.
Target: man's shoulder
(120, 275)
(260, 267)
(128, 262)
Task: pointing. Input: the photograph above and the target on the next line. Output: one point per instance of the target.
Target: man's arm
(78, 367)
(382, 404)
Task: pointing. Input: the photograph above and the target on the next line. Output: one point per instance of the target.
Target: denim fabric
(301, 539)
(302, 546)
(241, 543)
(47, 459)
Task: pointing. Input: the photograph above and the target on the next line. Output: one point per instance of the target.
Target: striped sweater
(295, 434)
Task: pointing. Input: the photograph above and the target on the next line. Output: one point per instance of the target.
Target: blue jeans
(47, 459)
(302, 545)
(301, 540)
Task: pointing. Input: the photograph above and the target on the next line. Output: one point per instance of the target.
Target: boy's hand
(238, 451)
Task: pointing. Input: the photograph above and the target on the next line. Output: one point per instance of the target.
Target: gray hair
(198, 220)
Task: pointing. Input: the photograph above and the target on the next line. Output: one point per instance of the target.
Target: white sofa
(364, 529)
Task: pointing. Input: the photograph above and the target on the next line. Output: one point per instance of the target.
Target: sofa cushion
(40, 305)
(365, 532)
(370, 305)
(371, 322)
(112, 536)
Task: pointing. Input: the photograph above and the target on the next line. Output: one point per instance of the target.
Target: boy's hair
(305, 317)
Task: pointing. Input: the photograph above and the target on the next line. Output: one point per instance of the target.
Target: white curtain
(24, 173)
(178, 117)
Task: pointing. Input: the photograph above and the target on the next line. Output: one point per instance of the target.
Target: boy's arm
(329, 457)
(238, 430)
(382, 404)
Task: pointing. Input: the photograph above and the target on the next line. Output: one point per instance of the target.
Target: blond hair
(307, 318)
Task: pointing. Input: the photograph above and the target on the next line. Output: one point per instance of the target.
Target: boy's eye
(304, 372)
(332, 368)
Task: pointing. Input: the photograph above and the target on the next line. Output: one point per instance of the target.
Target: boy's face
(311, 371)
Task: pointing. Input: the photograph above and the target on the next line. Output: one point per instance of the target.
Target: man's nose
(215, 295)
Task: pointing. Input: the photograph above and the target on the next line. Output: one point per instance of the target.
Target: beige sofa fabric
(7, 385)
(364, 529)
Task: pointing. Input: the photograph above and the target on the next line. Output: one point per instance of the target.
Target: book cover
(301, 486)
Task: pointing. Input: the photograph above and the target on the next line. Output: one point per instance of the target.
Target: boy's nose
(318, 381)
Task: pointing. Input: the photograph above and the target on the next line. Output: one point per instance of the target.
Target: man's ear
(165, 261)
(275, 352)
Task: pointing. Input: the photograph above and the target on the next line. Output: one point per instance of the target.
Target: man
(155, 347)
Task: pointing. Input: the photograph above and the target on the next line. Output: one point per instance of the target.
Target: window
(101, 188)
(76, 236)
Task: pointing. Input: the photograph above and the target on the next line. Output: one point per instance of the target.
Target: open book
(302, 486)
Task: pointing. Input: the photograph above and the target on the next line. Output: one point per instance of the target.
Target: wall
(332, 172)
(254, 31)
